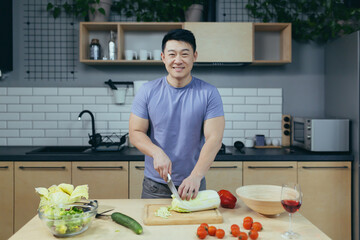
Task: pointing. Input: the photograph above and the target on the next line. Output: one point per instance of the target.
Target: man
(178, 122)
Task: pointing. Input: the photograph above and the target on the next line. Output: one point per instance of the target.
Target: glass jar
(95, 49)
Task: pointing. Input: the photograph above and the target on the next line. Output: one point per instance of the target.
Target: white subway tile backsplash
(32, 99)
(32, 116)
(225, 92)
(19, 91)
(19, 141)
(70, 91)
(70, 108)
(49, 115)
(9, 116)
(257, 116)
(32, 133)
(257, 100)
(233, 100)
(9, 99)
(242, 108)
(57, 133)
(82, 99)
(19, 125)
(244, 92)
(19, 108)
(270, 92)
(45, 124)
(96, 91)
(57, 99)
(270, 108)
(45, 108)
(57, 116)
(45, 91)
(45, 141)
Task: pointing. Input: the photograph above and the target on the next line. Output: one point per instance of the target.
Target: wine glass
(291, 199)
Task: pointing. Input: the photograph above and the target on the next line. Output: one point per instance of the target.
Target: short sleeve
(139, 106)
(215, 105)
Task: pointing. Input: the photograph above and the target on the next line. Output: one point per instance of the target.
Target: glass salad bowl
(67, 220)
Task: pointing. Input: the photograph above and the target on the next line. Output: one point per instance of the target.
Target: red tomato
(201, 232)
(248, 219)
(247, 225)
(235, 232)
(243, 236)
(253, 234)
(205, 225)
(212, 230)
(234, 226)
(256, 226)
(220, 233)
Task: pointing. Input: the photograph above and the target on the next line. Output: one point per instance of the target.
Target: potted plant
(93, 10)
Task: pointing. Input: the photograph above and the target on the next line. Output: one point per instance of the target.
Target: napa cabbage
(207, 199)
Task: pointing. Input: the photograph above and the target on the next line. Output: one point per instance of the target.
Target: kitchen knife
(172, 187)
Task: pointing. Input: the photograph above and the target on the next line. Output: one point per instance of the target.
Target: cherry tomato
(205, 225)
(243, 236)
(234, 226)
(253, 234)
(220, 233)
(200, 228)
(212, 230)
(256, 226)
(201, 232)
(235, 232)
(247, 225)
(248, 219)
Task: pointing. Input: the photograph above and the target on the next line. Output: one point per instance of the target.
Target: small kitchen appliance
(321, 135)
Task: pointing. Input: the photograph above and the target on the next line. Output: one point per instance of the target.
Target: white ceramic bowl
(264, 199)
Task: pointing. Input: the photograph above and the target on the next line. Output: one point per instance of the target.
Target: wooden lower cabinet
(6, 199)
(224, 175)
(106, 180)
(28, 176)
(136, 179)
(326, 188)
(269, 173)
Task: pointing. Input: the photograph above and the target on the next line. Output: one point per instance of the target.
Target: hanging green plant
(312, 20)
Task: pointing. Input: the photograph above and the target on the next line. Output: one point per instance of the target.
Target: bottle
(95, 49)
(112, 46)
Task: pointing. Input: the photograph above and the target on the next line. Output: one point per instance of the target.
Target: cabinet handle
(255, 167)
(223, 167)
(341, 167)
(4, 167)
(139, 167)
(99, 168)
(24, 168)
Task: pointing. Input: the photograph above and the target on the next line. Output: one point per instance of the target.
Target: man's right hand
(162, 164)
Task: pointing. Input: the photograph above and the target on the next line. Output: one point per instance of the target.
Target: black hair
(179, 35)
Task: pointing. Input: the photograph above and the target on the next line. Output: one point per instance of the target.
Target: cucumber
(127, 221)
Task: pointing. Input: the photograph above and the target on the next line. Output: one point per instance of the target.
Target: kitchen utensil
(172, 187)
(291, 199)
(145, 54)
(264, 199)
(130, 55)
(239, 146)
(176, 218)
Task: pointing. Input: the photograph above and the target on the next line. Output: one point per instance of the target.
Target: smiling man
(177, 121)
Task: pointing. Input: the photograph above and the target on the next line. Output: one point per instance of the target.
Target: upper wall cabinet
(139, 43)
(223, 42)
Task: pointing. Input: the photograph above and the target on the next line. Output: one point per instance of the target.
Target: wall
(302, 81)
(49, 115)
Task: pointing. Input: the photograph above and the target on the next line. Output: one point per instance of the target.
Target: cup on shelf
(145, 54)
(157, 54)
(130, 55)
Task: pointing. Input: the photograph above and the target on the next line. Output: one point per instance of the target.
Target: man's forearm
(207, 156)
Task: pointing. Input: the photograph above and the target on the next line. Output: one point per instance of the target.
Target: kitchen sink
(61, 149)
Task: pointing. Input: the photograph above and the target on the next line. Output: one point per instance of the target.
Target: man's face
(178, 57)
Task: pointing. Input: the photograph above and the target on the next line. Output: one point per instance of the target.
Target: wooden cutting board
(208, 216)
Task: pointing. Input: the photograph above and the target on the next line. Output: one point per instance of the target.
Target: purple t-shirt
(176, 117)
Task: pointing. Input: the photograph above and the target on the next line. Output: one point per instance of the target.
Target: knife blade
(172, 187)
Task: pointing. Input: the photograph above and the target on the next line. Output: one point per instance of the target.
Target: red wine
(291, 206)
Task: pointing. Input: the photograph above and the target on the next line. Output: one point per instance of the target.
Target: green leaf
(101, 10)
(56, 12)
(49, 6)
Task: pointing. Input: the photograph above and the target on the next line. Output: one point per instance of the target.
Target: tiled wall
(48, 116)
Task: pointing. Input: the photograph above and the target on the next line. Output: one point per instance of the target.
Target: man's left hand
(189, 188)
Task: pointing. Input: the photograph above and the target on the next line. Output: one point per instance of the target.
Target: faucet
(93, 137)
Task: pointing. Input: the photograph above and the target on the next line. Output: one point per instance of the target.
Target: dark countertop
(18, 153)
